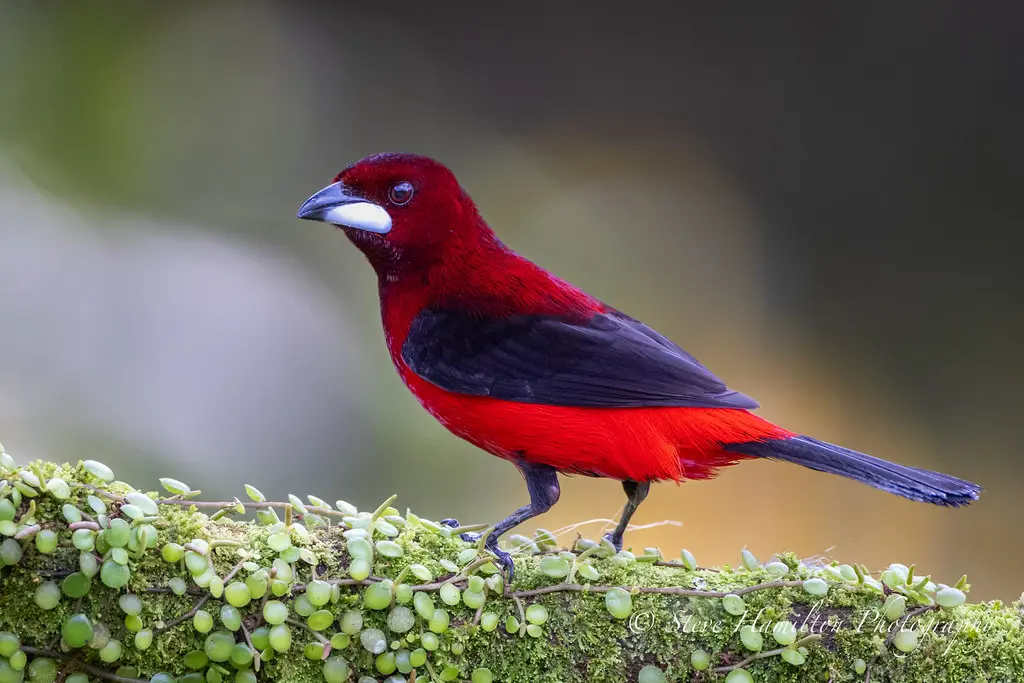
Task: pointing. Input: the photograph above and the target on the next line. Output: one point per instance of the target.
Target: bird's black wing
(611, 361)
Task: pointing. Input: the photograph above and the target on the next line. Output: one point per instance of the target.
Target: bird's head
(403, 211)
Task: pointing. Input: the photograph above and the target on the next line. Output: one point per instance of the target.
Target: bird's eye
(401, 193)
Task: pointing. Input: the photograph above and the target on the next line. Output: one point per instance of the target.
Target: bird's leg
(542, 485)
(453, 523)
(635, 493)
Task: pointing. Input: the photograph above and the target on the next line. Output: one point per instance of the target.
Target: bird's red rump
(640, 444)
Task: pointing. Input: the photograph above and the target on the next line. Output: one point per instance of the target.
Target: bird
(533, 370)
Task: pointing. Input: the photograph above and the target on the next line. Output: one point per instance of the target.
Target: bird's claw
(614, 540)
(468, 537)
(503, 557)
(504, 560)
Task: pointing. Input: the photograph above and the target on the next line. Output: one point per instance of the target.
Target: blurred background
(823, 205)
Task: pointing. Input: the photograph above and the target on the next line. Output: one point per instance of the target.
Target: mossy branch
(102, 581)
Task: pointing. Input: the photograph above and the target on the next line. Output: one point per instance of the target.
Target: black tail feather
(910, 482)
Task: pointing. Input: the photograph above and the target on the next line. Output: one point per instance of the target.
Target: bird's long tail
(910, 482)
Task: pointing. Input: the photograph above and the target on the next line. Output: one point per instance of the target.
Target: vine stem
(522, 614)
(27, 532)
(299, 587)
(254, 505)
(200, 602)
(255, 653)
(680, 565)
(319, 636)
(182, 502)
(462, 575)
(661, 590)
(767, 653)
(182, 617)
(165, 589)
(577, 588)
(87, 668)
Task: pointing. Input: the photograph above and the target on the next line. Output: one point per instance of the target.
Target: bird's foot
(454, 524)
(504, 559)
(615, 540)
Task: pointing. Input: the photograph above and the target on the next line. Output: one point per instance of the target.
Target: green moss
(580, 641)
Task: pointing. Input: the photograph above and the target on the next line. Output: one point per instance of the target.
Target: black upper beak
(314, 208)
(340, 205)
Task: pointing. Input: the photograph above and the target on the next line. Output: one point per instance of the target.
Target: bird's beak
(340, 205)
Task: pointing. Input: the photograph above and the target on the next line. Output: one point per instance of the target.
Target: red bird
(539, 373)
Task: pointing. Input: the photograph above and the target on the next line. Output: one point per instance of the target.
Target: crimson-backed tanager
(539, 373)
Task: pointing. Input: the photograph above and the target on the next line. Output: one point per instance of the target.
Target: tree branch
(96, 575)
